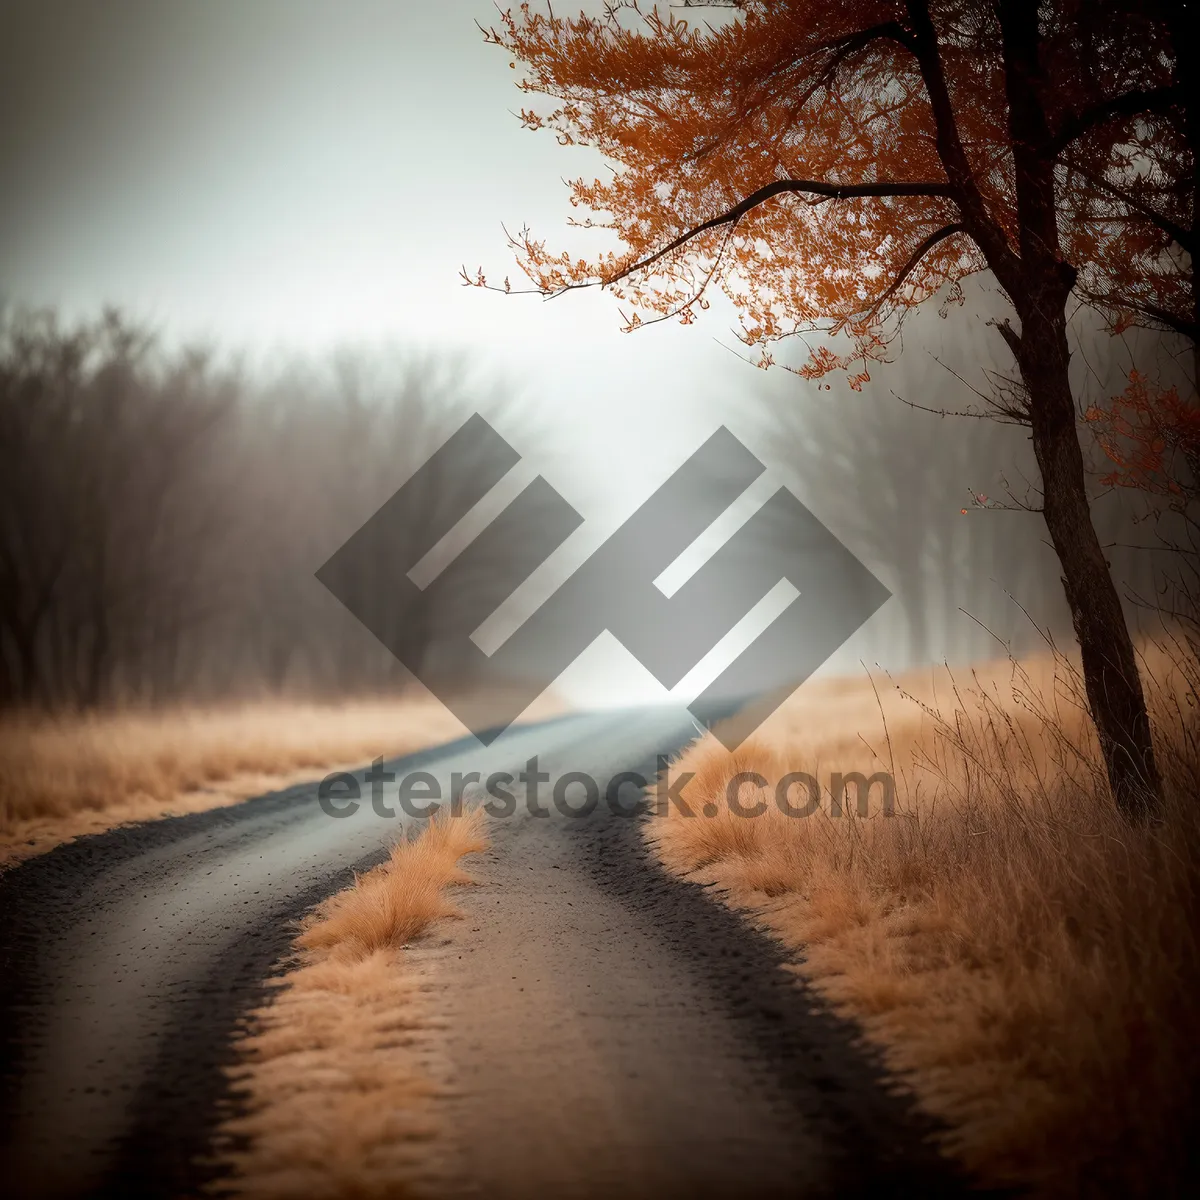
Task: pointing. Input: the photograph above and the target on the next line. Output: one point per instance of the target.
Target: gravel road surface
(612, 1030)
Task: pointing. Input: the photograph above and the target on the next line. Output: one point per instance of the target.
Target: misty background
(277, 198)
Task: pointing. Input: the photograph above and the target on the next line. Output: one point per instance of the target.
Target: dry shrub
(1027, 961)
(337, 1102)
(64, 776)
(396, 901)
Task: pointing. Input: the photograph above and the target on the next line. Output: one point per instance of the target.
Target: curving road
(613, 1029)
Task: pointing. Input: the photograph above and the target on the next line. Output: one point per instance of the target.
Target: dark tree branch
(1010, 336)
(1184, 238)
(989, 236)
(1184, 325)
(810, 187)
(914, 260)
(1129, 104)
(887, 31)
(842, 49)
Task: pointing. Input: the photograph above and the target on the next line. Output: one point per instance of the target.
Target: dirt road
(610, 1029)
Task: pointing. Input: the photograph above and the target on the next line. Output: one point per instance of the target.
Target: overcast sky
(298, 174)
(301, 173)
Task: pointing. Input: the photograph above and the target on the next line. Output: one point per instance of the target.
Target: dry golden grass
(338, 1101)
(1027, 962)
(61, 777)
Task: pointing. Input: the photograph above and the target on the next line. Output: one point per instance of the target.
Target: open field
(1057, 1055)
(1027, 962)
(62, 777)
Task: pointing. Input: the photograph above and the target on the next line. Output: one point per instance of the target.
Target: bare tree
(161, 518)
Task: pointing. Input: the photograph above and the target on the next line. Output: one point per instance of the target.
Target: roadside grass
(1028, 964)
(69, 775)
(336, 1095)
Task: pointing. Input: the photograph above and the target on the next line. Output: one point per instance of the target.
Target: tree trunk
(1181, 20)
(98, 676)
(1039, 287)
(1110, 673)
(25, 639)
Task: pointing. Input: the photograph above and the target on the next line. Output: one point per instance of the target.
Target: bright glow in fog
(290, 176)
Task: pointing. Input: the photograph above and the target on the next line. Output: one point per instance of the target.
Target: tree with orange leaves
(831, 165)
(1152, 437)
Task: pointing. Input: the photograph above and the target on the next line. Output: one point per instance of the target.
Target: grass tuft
(1027, 961)
(333, 1075)
(73, 774)
(398, 900)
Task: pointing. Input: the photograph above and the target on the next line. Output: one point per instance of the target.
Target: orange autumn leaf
(1151, 436)
(831, 165)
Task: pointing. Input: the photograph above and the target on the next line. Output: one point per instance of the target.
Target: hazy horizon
(291, 177)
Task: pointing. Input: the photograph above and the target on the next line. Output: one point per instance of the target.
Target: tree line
(162, 512)
(162, 515)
